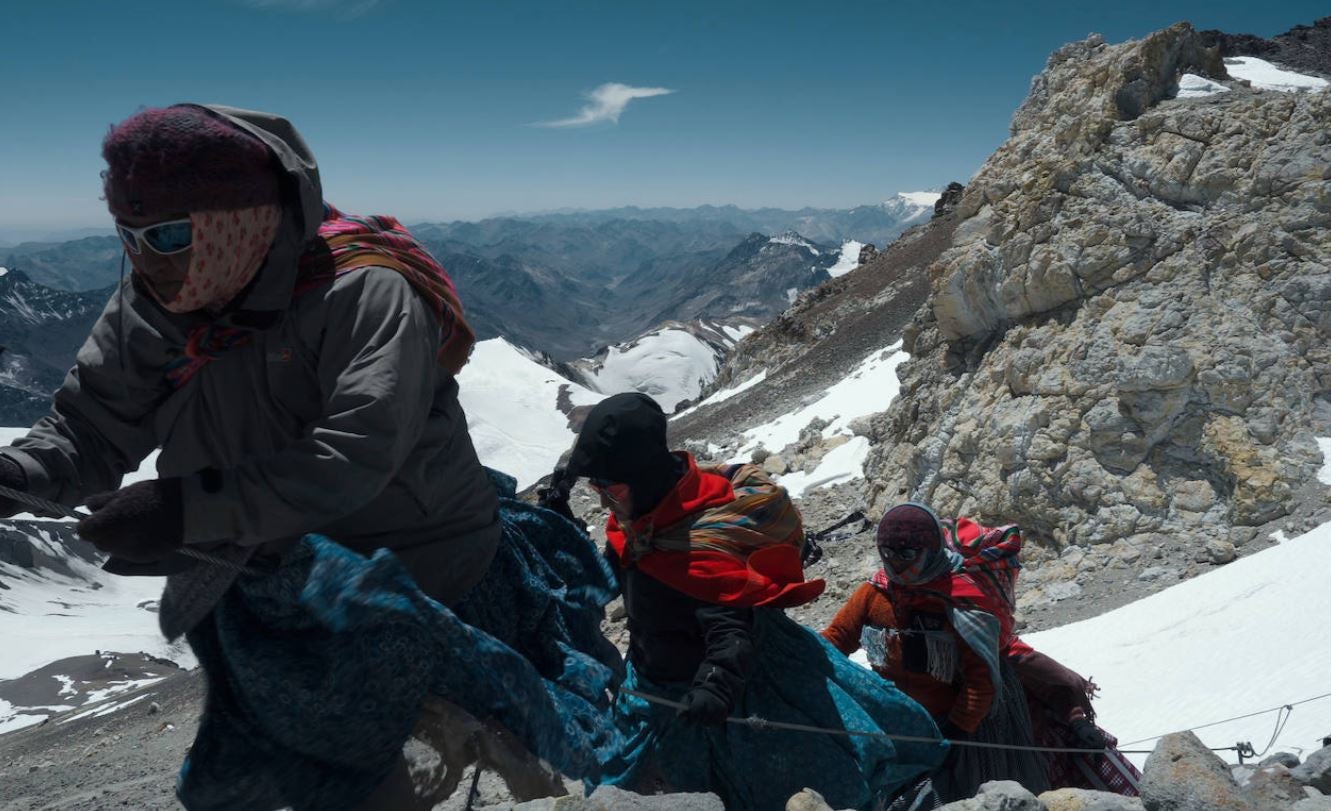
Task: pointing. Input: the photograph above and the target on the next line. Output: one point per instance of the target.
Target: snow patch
(1324, 475)
(792, 293)
(106, 709)
(923, 199)
(4, 271)
(868, 389)
(725, 394)
(1235, 640)
(848, 261)
(511, 402)
(1262, 74)
(841, 464)
(1192, 86)
(737, 334)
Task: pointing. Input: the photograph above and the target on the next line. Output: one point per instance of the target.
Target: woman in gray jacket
(297, 368)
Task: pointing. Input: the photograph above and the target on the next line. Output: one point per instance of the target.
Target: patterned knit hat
(180, 159)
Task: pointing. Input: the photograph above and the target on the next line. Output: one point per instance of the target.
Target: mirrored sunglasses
(163, 238)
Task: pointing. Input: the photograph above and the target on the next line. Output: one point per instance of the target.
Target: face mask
(228, 249)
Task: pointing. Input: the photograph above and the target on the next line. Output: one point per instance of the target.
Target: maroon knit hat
(183, 158)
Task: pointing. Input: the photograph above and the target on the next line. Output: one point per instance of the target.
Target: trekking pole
(56, 508)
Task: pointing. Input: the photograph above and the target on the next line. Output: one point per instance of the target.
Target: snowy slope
(1242, 638)
(868, 389)
(69, 607)
(514, 412)
(1266, 76)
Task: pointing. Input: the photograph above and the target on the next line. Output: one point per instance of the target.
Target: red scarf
(768, 576)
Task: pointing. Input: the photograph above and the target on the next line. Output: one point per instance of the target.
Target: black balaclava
(624, 440)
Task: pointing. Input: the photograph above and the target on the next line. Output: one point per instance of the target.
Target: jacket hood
(303, 210)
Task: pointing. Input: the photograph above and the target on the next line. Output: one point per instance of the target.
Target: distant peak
(793, 238)
(922, 199)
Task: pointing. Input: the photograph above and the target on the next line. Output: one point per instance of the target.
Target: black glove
(13, 477)
(702, 706)
(555, 497)
(142, 523)
(1088, 736)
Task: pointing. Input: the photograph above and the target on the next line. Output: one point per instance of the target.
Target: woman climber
(940, 632)
(707, 558)
(297, 367)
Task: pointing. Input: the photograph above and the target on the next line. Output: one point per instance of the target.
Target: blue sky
(426, 109)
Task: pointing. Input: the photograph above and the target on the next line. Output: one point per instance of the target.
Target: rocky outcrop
(950, 199)
(1130, 336)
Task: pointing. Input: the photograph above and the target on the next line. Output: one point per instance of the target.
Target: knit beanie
(180, 159)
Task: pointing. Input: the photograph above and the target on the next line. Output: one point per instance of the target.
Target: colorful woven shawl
(726, 534)
(345, 243)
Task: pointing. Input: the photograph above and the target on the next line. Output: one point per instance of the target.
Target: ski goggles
(164, 238)
(905, 554)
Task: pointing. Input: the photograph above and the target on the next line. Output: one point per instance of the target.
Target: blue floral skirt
(799, 678)
(316, 674)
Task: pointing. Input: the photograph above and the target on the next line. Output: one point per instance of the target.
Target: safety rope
(56, 508)
(1290, 707)
(763, 724)
(1285, 711)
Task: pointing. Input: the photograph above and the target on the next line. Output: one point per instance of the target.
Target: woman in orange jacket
(928, 626)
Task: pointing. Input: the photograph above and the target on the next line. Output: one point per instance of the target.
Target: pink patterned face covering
(228, 249)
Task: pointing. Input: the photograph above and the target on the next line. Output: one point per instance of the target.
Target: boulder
(1182, 774)
(1217, 551)
(1273, 787)
(807, 800)
(998, 795)
(774, 465)
(1315, 771)
(1286, 759)
(1080, 799)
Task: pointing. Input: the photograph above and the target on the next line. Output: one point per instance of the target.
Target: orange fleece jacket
(965, 702)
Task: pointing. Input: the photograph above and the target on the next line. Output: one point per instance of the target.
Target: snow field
(670, 366)
(512, 410)
(1266, 76)
(1241, 638)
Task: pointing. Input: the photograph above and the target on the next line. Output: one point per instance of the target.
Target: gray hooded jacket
(335, 419)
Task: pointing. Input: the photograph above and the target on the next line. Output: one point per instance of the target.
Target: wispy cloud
(606, 103)
(344, 9)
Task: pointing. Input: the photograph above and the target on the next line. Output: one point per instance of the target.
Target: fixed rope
(1288, 707)
(56, 508)
(1285, 711)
